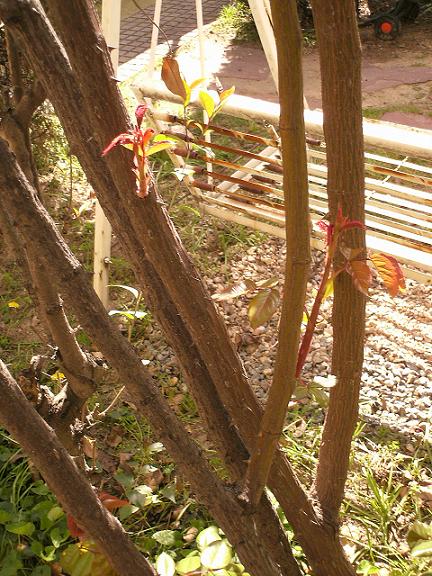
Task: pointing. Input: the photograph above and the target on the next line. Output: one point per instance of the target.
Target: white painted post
(111, 12)
(262, 17)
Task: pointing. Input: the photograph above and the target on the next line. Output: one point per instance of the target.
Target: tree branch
(296, 194)
(211, 368)
(62, 475)
(340, 56)
(258, 542)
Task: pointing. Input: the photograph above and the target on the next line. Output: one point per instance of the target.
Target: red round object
(386, 27)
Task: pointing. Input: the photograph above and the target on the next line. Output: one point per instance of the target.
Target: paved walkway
(387, 82)
(178, 21)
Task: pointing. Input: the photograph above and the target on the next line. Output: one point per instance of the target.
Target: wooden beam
(111, 15)
(405, 140)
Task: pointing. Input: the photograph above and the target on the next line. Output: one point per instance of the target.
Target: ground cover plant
(99, 416)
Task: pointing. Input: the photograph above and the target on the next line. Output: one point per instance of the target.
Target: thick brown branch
(209, 363)
(340, 57)
(289, 47)
(257, 540)
(60, 472)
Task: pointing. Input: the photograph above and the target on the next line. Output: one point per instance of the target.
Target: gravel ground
(397, 376)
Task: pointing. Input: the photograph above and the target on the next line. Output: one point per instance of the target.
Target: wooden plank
(405, 140)
(111, 13)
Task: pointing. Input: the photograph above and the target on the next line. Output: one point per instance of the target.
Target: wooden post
(111, 12)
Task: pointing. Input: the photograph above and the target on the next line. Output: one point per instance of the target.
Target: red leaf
(73, 527)
(120, 139)
(361, 275)
(112, 502)
(389, 271)
(140, 113)
(109, 501)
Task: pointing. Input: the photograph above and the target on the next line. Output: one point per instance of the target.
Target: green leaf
(207, 537)
(133, 291)
(262, 307)
(126, 511)
(56, 538)
(166, 537)
(422, 549)
(141, 496)
(217, 556)
(5, 516)
(11, 564)
(41, 571)
(76, 561)
(188, 93)
(419, 531)
(22, 528)
(207, 103)
(165, 565)
(40, 488)
(189, 564)
(55, 513)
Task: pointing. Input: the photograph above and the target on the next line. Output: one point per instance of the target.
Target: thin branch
(289, 46)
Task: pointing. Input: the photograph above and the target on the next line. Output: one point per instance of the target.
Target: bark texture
(80, 87)
(340, 56)
(258, 538)
(296, 194)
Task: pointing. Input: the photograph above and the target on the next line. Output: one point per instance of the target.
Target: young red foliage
(390, 272)
(137, 140)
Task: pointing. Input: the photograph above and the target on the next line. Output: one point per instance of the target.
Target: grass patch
(377, 112)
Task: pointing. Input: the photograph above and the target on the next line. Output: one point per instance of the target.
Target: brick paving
(178, 20)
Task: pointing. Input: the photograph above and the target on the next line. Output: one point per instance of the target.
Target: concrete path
(397, 76)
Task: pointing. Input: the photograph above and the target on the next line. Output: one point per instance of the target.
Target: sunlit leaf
(155, 148)
(207, 103)
(130, 289)
(269, 283)
(84, 560)
(329, 289)
(188, 91)
(419, 531)
(389, 271)
(234, 291)
(197, 83)
(325, 381)
(13, 304)
(361, 275)
(217, 555)
(165, 565)
(187, 565)
(226, 93)
(422, 549)
(166, 537)
(207, 536)
(172, 77)
(262, 307)
(57, 376)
